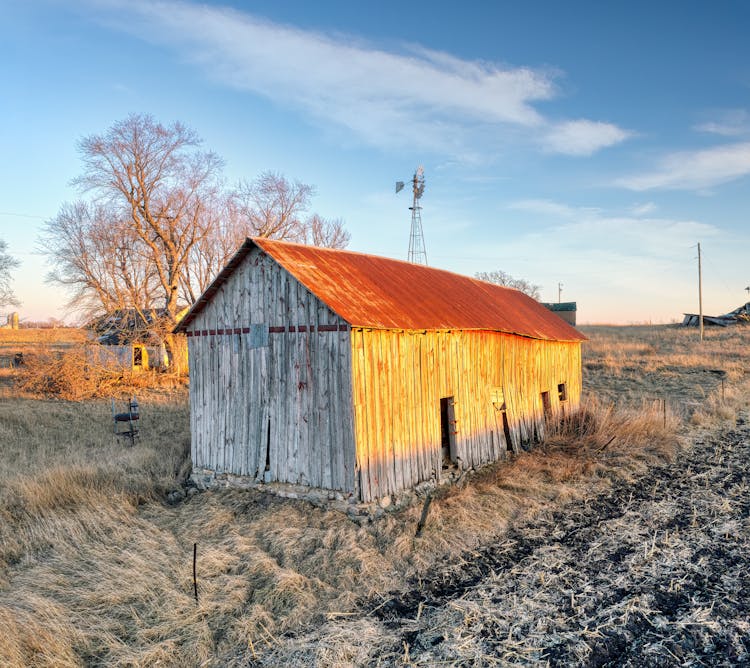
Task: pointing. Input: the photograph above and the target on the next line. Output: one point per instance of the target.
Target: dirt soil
(656, 573)
(653, 573)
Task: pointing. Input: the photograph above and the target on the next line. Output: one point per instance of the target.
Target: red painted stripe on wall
(276, 329)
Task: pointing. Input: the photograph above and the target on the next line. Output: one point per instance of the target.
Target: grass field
(96, 538)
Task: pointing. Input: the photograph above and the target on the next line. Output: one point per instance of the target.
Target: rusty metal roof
(381, 293)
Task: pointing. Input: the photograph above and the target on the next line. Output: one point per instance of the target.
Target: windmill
(417, 252)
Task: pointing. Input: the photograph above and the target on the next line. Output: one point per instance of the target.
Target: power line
(717, 273)
(21, 215)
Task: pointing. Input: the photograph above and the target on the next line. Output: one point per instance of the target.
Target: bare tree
(156, 178)
(330, 233)
(502, 278)
(99, 259)
(271, 206)
(7, 265)
(207, 257)
(159, 227)
(151, 187)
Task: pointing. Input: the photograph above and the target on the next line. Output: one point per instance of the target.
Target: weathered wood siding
(400, 377)
(283, 389)
(270, 382)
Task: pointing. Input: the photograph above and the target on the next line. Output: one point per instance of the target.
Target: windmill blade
(399, 186)
(419, 182)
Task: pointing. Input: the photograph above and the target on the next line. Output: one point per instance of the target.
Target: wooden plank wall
(271, 388)
(265, 393)
(400, 377)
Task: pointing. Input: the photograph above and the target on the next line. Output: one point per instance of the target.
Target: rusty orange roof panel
(381, 293)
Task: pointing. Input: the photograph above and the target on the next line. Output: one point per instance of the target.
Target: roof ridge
(379, 292)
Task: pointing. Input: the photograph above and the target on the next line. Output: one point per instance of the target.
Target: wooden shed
(344, 371)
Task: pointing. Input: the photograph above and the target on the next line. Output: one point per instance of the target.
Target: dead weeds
(651, 574)
(551, 557)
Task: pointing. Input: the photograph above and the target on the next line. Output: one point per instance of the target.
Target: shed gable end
(270, 387)
(260, 291)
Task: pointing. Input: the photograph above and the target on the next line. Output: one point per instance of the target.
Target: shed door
(448, 430)
(501, 418)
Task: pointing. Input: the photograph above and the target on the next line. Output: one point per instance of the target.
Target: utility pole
(700, 292)
(559, 293)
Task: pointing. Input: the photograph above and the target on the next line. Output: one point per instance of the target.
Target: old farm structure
(128, 339)
(740, 315)
(564, 310)
(366, 375)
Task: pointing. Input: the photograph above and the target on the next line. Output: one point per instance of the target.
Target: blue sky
(591, 144)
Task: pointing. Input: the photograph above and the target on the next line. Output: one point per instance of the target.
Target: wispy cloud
(544, 207)
(121, 88)
(384, 97)
(643, 208)
(639, 237)
(728, 123)
(578, 226)
(694, 170)
(582, 137)
(621, 265)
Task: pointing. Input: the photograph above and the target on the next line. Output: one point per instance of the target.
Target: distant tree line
(502, 278)
(49, 323)
(158, 223)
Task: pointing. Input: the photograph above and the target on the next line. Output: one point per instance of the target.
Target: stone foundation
(360, 512)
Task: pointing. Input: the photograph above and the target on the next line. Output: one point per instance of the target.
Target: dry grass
(96, 557)
(61, 336)
(628, 365)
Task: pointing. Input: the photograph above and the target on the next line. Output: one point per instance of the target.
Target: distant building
(351, 372)
(11, 321)
(738, 316)
(565, 310)
(128, 340)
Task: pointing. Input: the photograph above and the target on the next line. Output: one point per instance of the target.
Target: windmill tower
(417, 252)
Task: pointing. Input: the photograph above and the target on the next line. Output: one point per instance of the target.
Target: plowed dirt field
(654, 573)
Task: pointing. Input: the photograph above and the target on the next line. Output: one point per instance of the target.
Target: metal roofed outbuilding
(366, 375)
